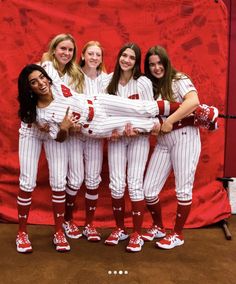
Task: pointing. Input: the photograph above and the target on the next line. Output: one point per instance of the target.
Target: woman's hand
(75, 130)
(68, 121)
(130, 131)
(114, 136)
(43, 127)
(156, 129)
(166, 127)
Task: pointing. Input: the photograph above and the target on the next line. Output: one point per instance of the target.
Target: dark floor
(206, 257)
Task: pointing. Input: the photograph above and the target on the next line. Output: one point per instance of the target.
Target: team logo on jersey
(134, 97)
(66, 91)
(76, 115)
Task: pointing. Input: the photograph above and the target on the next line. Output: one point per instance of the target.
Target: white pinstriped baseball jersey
(99, 115)
(179, 149)
(53, 74)
(31, 141)
(86, 153)
(96, 85)
(130, 153)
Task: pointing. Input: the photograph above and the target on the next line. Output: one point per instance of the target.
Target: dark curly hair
(26, 97)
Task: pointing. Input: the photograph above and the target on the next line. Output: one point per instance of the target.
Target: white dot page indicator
(117, 272)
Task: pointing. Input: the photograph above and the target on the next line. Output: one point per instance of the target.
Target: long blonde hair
(71, 68)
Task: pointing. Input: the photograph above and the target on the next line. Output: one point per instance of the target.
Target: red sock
(154, 206)
(58, 203)
(166, 108)
(137, 214)
(118, 206)
(71, 195)
(91, 198)
(23, 205)
(182, 213)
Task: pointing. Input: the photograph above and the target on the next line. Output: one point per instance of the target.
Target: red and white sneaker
(23, 244)
(154, 232)
(91, 234)
(116, 236)
(71, 230)
(170, 241)
(135, 243)
(206, 116)
(60, 242)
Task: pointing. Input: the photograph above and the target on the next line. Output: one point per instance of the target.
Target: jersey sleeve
(106, 79)
(54, 128)
(145, 89)
(52, 72)
(183, 86)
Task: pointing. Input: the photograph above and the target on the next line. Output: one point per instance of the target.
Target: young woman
(86, 154)
(131, 152)
(59, 62)
(61, 65)
(178, 149)
(31, 139)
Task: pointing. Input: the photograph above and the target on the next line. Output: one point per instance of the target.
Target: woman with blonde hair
(60, 61)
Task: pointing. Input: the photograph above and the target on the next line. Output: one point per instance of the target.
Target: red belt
(90, 110)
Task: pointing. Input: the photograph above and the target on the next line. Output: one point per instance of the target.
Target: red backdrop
(195, 35)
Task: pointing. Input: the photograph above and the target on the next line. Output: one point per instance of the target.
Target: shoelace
(152, 230)
(23, 238)
(92, 230)
(171, 237)
(72, 227)
(116, 234)
(60, 237)
(134, 240)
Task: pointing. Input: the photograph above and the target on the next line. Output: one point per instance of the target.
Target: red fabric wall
(195, 35)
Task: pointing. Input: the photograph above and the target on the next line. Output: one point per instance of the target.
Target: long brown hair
(162, 86)
(113, 86)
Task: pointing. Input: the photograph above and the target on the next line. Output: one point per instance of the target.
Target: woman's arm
(189, 104)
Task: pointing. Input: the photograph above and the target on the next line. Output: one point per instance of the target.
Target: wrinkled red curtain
(195, 34)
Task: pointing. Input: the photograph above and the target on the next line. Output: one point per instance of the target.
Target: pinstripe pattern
(30, 145)
(31, 140)
(179, 149)
(57, 157)
(86, 153)
(130, 152)
(104, 106)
